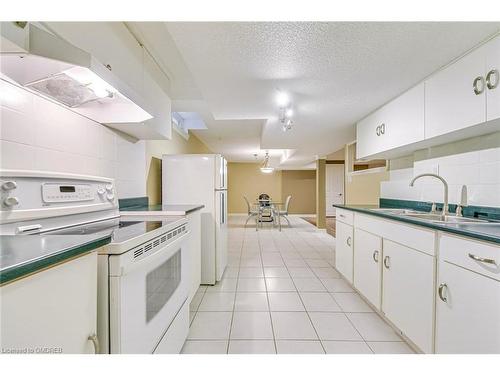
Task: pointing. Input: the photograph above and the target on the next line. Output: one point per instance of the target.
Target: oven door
(145, 295)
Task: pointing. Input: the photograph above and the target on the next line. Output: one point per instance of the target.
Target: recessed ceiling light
(282, 99)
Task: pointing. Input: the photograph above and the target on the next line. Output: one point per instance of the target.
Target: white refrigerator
(201, 179)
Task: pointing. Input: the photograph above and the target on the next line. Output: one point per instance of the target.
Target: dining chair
(251, 212)
(283, 213)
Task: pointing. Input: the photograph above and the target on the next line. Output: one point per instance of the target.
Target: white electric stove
(142, 284)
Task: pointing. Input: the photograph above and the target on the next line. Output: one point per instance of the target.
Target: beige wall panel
(301, 185)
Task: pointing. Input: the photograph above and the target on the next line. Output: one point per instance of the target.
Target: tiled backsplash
(38, 134)
(474, 162)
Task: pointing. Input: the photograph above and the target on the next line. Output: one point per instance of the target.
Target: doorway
(334, 189)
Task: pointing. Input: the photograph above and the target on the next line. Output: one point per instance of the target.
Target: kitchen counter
(167, 209)
(486, 232)
(23, 255)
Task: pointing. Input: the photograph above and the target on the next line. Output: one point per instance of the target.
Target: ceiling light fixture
(266, 168)
(285, 111)
(285, 115)
(282, 99)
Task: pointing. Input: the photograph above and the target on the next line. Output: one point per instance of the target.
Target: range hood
(54, 68)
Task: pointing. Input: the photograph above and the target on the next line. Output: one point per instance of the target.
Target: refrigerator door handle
(220, 207)
(223, 211)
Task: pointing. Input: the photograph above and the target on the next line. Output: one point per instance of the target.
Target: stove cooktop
(121, 229)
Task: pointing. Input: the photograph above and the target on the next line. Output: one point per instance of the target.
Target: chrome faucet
(445, 200)
(463, 201)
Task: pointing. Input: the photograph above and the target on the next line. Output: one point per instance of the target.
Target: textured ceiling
(335, 73)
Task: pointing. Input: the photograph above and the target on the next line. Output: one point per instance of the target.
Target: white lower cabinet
(52, 311)
(408, 292)
(468, 298)
(368, 265)
(468, 311)
(344, 249)
(446, 306)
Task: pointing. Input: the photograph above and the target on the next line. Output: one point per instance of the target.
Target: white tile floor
(281, 294)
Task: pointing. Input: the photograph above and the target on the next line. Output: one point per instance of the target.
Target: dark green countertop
(166, 209)
(23, 255)
(487, 232)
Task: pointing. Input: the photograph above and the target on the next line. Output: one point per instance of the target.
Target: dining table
(263, 205)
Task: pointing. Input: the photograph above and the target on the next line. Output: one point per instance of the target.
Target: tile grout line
(290, 243)
(234, 301)
(305, 309)
(267, 297)
(359, 333)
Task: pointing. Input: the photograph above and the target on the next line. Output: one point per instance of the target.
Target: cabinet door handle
(375, 256)
(477, 90)
(493, 72)
(348, 241)
(380, 130)
(387, 263)
(483, 260)
(95, 341)
(440, 292)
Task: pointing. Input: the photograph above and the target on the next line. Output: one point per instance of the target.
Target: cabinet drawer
(345, 216)
(418, 238)
(460, 251)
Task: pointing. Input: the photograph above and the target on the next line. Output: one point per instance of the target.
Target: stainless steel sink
(438, 218)
(395, 211)
(432, 217)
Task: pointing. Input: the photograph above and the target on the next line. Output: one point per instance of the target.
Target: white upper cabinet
(464, 94)
(398, 123)
(455, 97)
(493, 79)
(457, 102)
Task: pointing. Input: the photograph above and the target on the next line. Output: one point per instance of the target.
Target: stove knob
(110, 196)
(11, 201)
(9, 185)
(109, 187)
(101, 191)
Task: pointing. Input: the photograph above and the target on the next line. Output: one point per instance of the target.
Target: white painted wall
(38, 134)
(475, 163)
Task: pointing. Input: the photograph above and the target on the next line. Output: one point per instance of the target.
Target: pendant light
(266, 168)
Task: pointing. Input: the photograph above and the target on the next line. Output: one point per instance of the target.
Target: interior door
(334, 189)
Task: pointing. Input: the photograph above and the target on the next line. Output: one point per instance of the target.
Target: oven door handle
(126, 265)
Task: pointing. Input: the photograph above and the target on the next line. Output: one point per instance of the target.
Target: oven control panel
(30, 195)
(55, 193)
